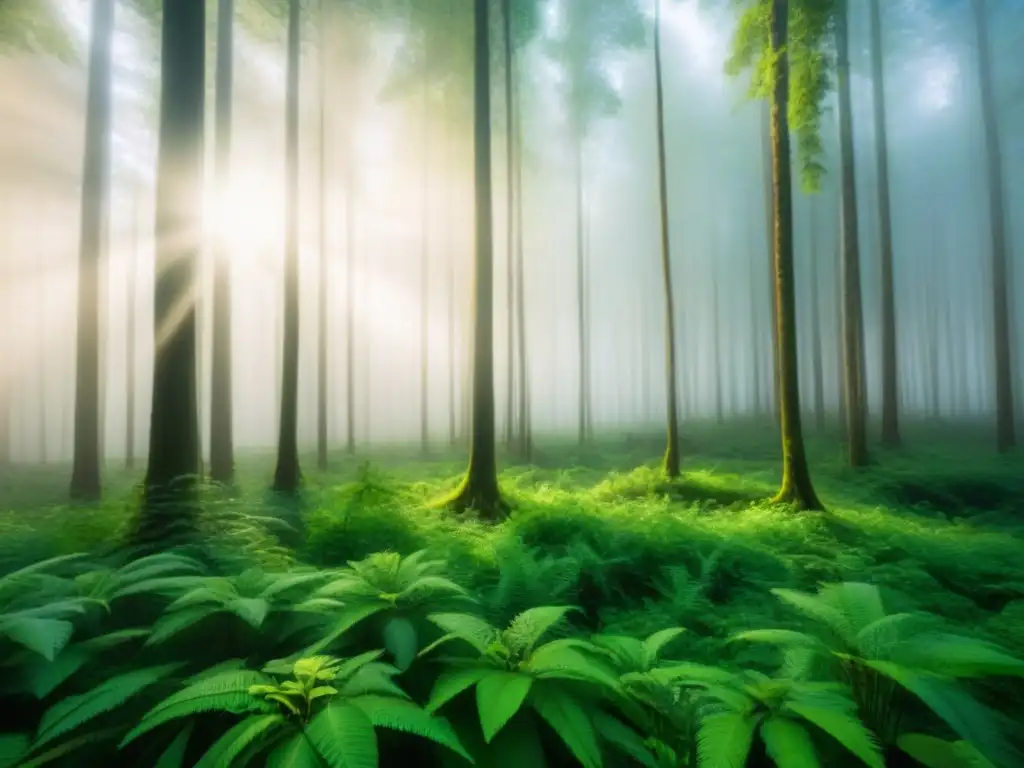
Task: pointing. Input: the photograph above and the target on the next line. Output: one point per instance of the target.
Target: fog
(398, 229)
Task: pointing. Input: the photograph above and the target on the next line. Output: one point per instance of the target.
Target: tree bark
(890, 370)
(85, 473)
(129, 363)
(287, 475)
(797, 488)
(526, 441)
(222, 450)
(510, 199)
(672, 457)
(479, 489)
(425, 271)
(853, 320)
(817, 350)
(774, 394)
(325, 272)
(581, 300)
(1006, 437)
(171, 485)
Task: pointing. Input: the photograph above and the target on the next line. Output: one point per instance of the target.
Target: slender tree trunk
(479, 490)
(1006, 437)
(890, 370)
(129, 365)
(510, 199)
(222, 450)
(425, 274)
(325, 272)
(350, 315)
(171, 484)
(770, 208)
(672, 457)
(581, 309)
(526, 442)
(853, 323)
(796, 478)
(287, 476)
(756, 336)
(85, 473)
(817, 350)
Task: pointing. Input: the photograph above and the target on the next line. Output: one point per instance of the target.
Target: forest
(511, 383)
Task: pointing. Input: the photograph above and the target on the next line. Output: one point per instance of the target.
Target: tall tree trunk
(581, 308)
(1006, 437)
(756, 335)
(171, 484)
(890, 370)
(425, 271)
(287, 475)
(350, 315)
(817, 351)
(853, 322)
(796, 477)
(129, 363)
(222, 449)
(325, 272)
(510, 199)
(525, 441)
(479, 490)
(767, 149)
(85, 473)
(671, 461)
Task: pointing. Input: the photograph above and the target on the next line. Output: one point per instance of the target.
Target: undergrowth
(936, 538)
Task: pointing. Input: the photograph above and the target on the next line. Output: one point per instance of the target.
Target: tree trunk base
(802, 499)
(484, 498)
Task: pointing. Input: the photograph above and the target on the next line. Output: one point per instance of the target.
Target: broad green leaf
(170, 624)
(624, 739)
(788, 743)
(570, 721)
(47, 637)
(236, 740)
(401, 641)
(724, 740)
(844, 728)
(498, 697)
(452, 682)
(251, 610)
(407, 717)
(343, 621)
(343, 736)
(939, 753)
(295, 752)
(654, 644)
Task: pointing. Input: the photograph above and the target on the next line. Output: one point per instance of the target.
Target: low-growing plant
(882, 657)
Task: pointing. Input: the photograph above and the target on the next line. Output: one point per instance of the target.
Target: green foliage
(811, 60)
(617, 683)
(881, 656)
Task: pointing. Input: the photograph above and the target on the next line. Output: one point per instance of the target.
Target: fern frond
(235, 741)
(957, 656)
(724, 739)
(654, 644)
(343, 735)
(833, 716)
(624, 739)
(860, 603)
(223, 692)
(472, 629)
(407, 717)
(561, 659)
(74, 711)
(174, 755)
(788, 743)
(529, 626)
(172, 624)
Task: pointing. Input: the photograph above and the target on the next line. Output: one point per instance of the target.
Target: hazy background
(718, 228)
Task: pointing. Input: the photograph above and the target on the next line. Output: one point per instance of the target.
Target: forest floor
(938, 525)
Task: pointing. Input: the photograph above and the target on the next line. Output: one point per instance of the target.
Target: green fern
(397, 591)
(563, 681)
(881, 655)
